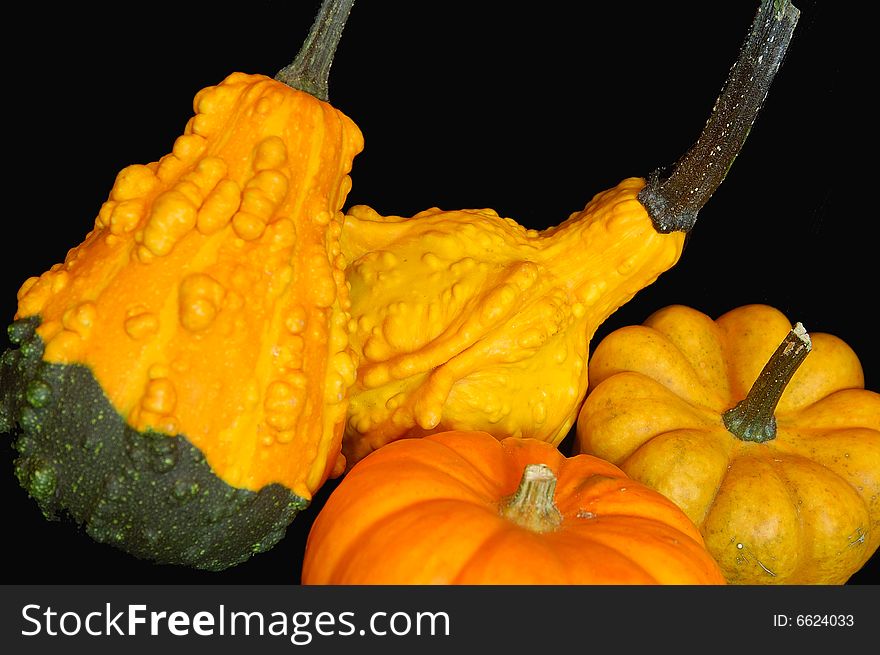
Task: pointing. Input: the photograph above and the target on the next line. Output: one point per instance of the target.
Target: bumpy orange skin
(464, 320)
(803, 508)
(427, 511)
(210, 299)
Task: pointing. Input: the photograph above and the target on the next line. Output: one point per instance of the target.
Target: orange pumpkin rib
(852, 454)
(831, 367)
(563, 558)
(686, 464)
(646, 541)
(833, 522)
(417, 562)
(628, 409)
(750, 335)
(362, 510)
(766, 530)
(620, 496)
(699, 339)
(844, 408)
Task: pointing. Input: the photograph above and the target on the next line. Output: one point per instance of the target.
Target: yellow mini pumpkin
(785, 493)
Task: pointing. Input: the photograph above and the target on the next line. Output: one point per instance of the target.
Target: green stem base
(752, 419)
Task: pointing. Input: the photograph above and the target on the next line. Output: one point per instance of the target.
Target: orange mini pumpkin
(465, 508)
(790, 496)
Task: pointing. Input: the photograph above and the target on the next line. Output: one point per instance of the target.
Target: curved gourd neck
(609, 251)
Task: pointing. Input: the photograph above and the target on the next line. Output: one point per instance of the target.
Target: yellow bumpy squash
(465, 320)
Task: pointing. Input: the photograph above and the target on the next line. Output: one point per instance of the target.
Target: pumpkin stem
(673, 199)
(531, 506)
(752, 419)
(310, 70)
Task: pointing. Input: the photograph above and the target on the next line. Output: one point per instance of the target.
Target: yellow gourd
(464, 320)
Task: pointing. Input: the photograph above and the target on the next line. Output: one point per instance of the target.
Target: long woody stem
(674, 199)
(752, 419)
(310, 70)
(531, 506)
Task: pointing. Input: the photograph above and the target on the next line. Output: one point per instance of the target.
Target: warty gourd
(179, 382)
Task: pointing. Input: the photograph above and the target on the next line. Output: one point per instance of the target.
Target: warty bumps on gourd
(494, 334)
(208, 298)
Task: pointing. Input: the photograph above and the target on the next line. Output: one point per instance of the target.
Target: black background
(527, 108)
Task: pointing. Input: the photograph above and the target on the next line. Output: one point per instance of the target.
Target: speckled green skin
(151, 495)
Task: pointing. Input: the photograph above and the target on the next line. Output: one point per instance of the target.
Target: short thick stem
(753, 418)
(310, 70)
(531, 506)
(673, 199)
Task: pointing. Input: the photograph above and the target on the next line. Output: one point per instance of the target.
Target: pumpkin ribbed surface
(800, 508)
(435, 511)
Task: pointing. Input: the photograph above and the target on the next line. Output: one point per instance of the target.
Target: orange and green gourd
(467, 508)
(463, 320)
(772, 450)
(180, 380)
